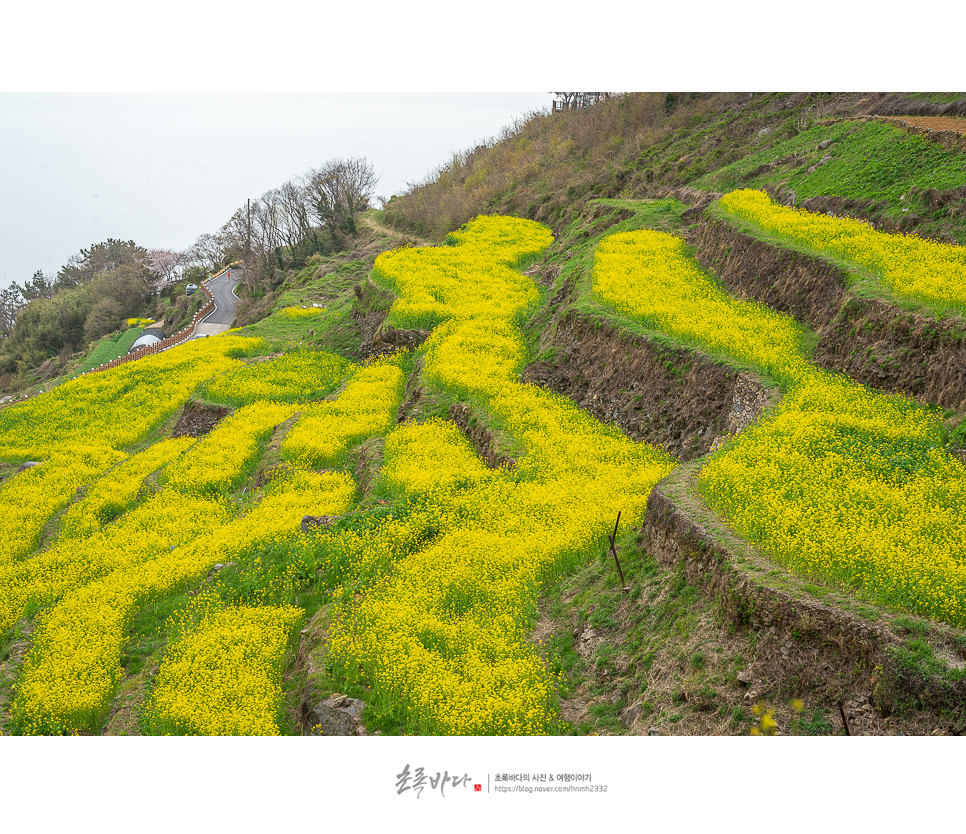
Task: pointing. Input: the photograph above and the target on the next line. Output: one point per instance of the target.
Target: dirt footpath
(936, 122)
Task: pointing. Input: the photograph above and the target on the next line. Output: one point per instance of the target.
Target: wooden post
(613, 549)
(845, 723)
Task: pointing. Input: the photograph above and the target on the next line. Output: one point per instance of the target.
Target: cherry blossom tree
(163, 264)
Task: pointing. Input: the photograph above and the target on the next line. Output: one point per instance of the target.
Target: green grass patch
(879, 161)
(110, 347)
(870, 161)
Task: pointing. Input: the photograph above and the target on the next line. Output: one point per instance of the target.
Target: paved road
(223, 289)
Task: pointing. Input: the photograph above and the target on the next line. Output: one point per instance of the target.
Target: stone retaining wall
(872, 341)
(848, 639)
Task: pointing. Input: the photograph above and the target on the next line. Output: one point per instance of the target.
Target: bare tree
(296, 208)
(206, 251)
(339, 190)
(235, 236)
(283, 223)
(267, 220)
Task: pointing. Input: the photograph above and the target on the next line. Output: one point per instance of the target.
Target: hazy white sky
(167, 163)
(163, 168)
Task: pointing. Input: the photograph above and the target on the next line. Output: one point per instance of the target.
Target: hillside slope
(648, 474)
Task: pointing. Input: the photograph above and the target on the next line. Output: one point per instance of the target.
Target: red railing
(181, 336)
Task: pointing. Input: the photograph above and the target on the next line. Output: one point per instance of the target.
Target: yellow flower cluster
(71, 672)
(908, 265)
(29, 498)
(222, 672)
(165, 520)
(648, 276)
(217, 462)
(118, 407)
(839, 483)
(122, 544)
(852, 488)
(298, 377)
(301, 312)
(367, 406)
(446, 630)
(117, 489)
(473, 277)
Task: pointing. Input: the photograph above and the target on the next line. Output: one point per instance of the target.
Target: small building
(578, 101)
(150, 336)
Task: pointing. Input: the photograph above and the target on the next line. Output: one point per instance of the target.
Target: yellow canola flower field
(298, 377)
(367, 406)
(118, 407)
(72, 670)
(839, 483)
(647, 276)
(302, 312)
(110, 558)
(853, 489)
(470, 278)
(217, 462)
(79, 430)
(446, 631)
(909, 266)
(29, 498)
(114, 491)
(222, 673)
(166, 520)
(448, 628)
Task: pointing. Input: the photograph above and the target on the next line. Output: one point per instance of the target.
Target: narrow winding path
(223, 289)
(369, 219)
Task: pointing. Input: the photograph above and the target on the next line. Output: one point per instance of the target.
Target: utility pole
(248, 245)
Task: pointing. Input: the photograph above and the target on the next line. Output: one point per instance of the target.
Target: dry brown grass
(666, 660)
(540, 160)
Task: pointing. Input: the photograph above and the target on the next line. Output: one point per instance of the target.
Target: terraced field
(185, 562)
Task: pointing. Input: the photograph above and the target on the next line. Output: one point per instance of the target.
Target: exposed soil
(936, 123)
(808, 288)
(10, 669)
(197, 419)
(412, 395)
(897, 351)
(668, 397)
(366, 462)
(123, 720)
(945, 130)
